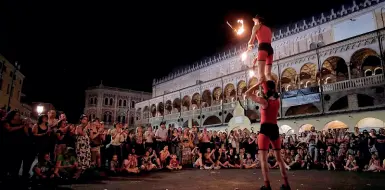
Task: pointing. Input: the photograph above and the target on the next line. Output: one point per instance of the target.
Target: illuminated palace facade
(329, 70)
(111, 104)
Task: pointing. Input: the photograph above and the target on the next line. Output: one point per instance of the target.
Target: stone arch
(229, 92)
(341, 104)
(333, 69)
(196, 100)
(335, 125)
(107, 116)
(370, 122)
(289, 79)
(146, 112)
(206, 98)
(241, 88)
(228, 117)
(253, 81)
(120, 102)
(138, 114)
(186, 102)
(176, 104)
(378, 71)
(212, 120)
(362, 60)
(121, 117)
(302, 110)
(364, 100)
(160, 108)
(308, 75)
(168, 107)
(153, 110)
(305, 127)
(194, 123)
(286, 129)
(217, 95)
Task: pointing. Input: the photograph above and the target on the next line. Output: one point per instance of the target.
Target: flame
(241, 29)
(244, 56)
(251, 73)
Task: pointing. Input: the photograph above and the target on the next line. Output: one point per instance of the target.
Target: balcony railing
(229, 106)
(173, 116)
(212, 108)
(354, 83)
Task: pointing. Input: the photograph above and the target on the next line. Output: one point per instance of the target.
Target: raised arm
(252, 37)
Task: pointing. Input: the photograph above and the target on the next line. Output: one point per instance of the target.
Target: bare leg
(281, 167)
(264, 167)
(268, 72)
(261, 71)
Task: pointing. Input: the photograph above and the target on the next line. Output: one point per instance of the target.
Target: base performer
(269, 132)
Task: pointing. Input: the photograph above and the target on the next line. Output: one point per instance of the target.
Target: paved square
(238, 179)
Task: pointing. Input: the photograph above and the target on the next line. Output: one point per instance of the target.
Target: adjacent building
(11, 84)
(113, 104)
(329, 69)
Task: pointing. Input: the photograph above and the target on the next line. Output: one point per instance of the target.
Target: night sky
(65, 47)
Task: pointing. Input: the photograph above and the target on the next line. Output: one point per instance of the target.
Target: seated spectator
(130, 165)
(147, 164)
(351, 164)
(249, 163)
(271, 160)
(330, 162)
(66, 164)
(222, 158)
(164, 156)
(174, 164)
(114, 165)
(43, 170)
(374, 164)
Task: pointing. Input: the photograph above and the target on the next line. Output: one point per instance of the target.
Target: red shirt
(270, 114)
(174, 163)
(264, 35)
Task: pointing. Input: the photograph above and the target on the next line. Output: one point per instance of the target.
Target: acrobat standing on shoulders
(263, 35)
(269, 132)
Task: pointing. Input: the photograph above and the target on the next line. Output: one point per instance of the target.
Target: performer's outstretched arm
(253, 37)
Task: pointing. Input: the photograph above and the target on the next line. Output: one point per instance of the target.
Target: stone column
(349, 74)
(352, 101)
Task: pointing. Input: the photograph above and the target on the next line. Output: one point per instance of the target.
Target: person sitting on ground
(66, 164)
(164, 156)
(147, 164)
(351, 164)
(249, 163)
(131, 164)
(174, 164)
(114, 165)
(43, 170)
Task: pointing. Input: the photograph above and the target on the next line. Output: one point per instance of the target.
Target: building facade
(113, 104)
(11, 84)
(327, 68)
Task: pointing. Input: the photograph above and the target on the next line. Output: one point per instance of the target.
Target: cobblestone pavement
(237, 179)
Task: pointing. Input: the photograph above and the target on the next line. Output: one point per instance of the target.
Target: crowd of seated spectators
(67, 151)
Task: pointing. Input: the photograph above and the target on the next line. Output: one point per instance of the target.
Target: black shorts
(266, 47)
(270, 130)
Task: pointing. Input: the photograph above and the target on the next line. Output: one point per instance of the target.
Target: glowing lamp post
(39, 109)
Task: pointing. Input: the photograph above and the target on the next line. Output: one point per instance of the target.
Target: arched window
(95, 100)
(107, 117)
(120, 103)
(105, 101)
(123, 119)
(118, 118)
(124, 103)
(93, 116)
(132, 104)
(111, 101)
(91, 101)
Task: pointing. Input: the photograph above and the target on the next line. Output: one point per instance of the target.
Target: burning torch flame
(240, 30)
(244, 56)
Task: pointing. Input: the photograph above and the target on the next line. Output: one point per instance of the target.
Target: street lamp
(39, 109)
